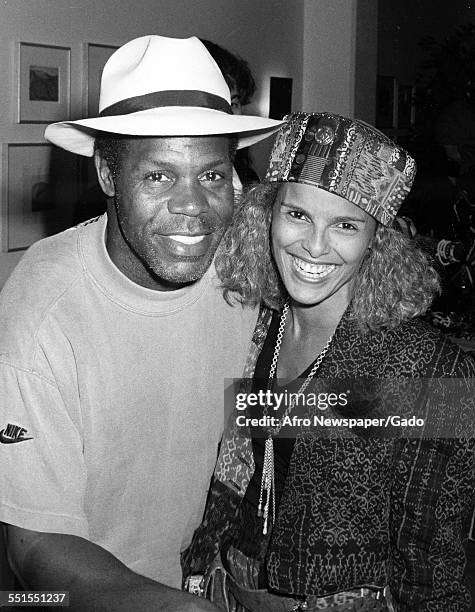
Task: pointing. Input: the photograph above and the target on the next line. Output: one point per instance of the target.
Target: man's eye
(211, 176)
(158, 177)
(298, 215)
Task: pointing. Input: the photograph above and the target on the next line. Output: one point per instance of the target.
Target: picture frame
(44, 80)
(280, 97)
(95, 58)
(386, 102)
(40, 192)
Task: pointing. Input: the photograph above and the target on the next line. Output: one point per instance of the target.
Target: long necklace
(268, 473)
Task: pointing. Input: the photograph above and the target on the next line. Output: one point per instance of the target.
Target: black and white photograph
(237, 305)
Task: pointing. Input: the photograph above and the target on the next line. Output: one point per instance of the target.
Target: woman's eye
(211, 176)
(347, 226)
(158, 177)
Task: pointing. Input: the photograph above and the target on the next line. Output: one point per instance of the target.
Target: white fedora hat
(158, 86)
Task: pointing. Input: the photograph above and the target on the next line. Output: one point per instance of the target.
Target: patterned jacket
(357, 509)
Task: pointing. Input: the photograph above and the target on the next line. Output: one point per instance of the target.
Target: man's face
(173, 202)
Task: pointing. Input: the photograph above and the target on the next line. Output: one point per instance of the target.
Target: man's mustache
(206, 223)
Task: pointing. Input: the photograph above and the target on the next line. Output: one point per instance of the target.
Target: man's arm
(95, 579)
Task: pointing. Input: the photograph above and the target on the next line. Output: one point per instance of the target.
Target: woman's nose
(316, 243)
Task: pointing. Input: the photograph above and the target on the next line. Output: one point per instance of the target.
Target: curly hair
(396, 280)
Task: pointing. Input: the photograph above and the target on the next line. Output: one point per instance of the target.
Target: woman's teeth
(313, 270)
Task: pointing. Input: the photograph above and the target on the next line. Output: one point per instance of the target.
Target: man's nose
(189, 199)
(316, 242)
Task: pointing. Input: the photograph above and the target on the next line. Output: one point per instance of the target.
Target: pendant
(267, 485)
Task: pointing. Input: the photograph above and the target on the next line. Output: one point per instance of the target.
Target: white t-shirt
(121, 390)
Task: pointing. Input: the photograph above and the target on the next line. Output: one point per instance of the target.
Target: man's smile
(186, 245)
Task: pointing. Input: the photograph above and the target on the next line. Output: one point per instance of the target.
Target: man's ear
(104, 175)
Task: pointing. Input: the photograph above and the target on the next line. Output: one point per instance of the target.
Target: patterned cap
(344, 156)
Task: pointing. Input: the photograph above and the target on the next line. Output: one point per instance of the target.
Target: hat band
(178, 97)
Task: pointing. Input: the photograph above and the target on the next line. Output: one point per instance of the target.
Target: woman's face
(319, 241)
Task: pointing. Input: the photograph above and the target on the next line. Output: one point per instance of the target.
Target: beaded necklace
(268, 475)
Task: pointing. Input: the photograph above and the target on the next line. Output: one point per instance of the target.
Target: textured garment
(231, 584)
(360, 510)
(121, 389)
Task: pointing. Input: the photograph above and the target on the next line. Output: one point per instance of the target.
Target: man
(115, 341)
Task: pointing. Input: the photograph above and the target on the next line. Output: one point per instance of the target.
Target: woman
(354, 519)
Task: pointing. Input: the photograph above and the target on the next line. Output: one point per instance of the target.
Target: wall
(366, 60)
(340, 57)
(268, 33)
(329, 55)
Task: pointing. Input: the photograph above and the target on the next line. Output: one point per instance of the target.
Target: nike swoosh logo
(6, 440)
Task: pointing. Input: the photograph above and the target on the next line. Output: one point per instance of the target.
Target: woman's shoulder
(428, 350)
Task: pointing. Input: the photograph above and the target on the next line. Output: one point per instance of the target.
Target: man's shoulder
(229, 307)
(46, 268)
(48, 271)
(50, 265)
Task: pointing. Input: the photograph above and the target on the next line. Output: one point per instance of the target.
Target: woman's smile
(312, 271)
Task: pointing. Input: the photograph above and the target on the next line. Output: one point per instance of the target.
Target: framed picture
(43, 83)
(405, 106)
(280, 97)
(386, 102)
(95, 58)
(40, 191)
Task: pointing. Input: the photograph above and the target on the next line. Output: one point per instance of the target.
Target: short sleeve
(42, 475)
